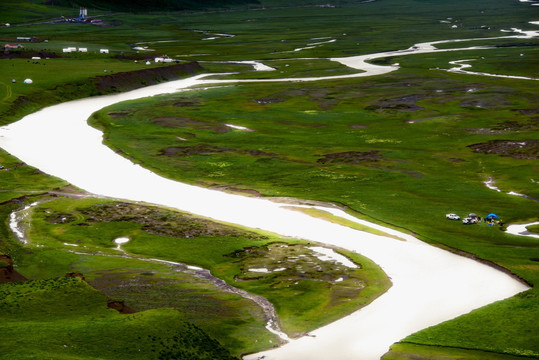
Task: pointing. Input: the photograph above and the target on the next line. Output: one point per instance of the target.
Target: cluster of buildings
(83, 18)
(17, 45)
(83, 50)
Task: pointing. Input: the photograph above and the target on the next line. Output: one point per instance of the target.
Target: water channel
(430, 285)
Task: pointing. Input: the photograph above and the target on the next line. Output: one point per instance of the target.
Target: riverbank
(419, 272)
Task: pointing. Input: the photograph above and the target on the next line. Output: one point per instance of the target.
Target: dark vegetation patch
(130, 56)
(518, 124)
(300, 263)
(153, 292)
(485, 131)
(184, 102)
(492, 99)
(351, 157)
(142, 5)
(287, 265)
(518, 149)
(528, 111)
(204, 149)
(160, 221)
(177, 121)
(60, 218)
(401, 103)
(28, 54)
(182, 121)
(325, 97)
(302, 124)
(358, 126)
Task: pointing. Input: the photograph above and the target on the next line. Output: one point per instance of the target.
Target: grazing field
(430, 139)
(68, 235)
(85, 328)
(401, 149)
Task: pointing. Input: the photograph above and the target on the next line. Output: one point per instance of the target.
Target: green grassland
(67, 235)
(64, 318)
(399, 149)
(387, 146)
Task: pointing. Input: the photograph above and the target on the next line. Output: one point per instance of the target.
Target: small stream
(19, 223)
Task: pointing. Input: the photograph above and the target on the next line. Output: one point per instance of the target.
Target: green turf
(78, 235)
(375, 148)
(67, 319)
(397, 144)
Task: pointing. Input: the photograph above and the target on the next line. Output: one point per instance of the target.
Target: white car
(452, 217)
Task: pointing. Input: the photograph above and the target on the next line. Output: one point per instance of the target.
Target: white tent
(28, 81)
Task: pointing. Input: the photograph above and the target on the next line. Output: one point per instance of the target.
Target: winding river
(430, 285)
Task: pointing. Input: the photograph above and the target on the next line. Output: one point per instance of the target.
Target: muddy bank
(100, 85)
(7, 272)
(124, 81)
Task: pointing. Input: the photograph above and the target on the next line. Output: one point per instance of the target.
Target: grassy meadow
(401, 149)
(377, 146)
(65, 318)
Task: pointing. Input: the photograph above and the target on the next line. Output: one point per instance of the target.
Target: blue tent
(492, 216)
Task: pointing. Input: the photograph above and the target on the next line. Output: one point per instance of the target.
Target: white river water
(430, 285)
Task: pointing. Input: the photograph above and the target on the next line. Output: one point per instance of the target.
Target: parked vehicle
(452, 216)
(470, 220)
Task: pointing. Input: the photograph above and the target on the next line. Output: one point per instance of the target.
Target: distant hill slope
(144, 5)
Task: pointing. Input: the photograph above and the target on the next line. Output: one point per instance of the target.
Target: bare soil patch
(120, 306)
(7, 272)
(518, 149)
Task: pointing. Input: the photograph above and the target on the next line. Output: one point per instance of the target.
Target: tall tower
(83, 14)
